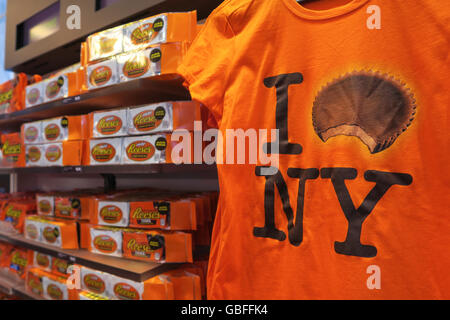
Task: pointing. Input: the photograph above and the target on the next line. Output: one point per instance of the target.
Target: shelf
(130, 269)
(166, 171)
(137, 92)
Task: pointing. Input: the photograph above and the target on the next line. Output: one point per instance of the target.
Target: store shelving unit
(16, 288)
(137, 92)
(142, 91)
(129, 269)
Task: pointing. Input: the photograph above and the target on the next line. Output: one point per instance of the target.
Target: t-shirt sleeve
(206, 66)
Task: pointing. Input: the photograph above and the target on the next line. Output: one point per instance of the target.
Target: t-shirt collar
(303, 12)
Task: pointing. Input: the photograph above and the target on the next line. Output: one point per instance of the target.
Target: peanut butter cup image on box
(374, 107)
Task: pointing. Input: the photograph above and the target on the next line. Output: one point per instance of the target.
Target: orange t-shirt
(358, 207)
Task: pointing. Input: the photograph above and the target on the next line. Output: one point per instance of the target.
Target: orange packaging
(105, 44)
(55, 288)
(60, 267)
(33, 282)
(163, 117)
(45, 204)
(68, 207)
(83, 55)
(186, 285)
(85, 237)
(12, 94)
(106, 241)
(147, 214)
(58, 154)
(13, 151)
(103, 152)
(51, 231)
(40, 260)
(108, 124)
(156, 288)
(18, 261)
(157, 246)
(157, 60)
(65, 129)
(5, 251)
(168, 215)
(15, 212)
(163, 28)
(31, 132)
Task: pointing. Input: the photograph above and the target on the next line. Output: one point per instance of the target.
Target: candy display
(102, 74)
(55, 232)
(64, 129)
(13, 151)
(168, 27)
(163, 117)
(108, 124)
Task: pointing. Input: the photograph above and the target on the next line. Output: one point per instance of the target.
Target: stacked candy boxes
(14, 209)
(182, 284)
(62, 84)
(12, 92)
(55, 142)
(13, 151)
(145, 48)
(153, 226)
(14, 259)
(137, 135)
(56, 279)
(145, 224)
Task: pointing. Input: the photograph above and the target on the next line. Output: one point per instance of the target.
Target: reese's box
(33, 228)
(167, 27)
(68, 206)
(15, 212)
(96, 282)
(34, 94)
(60, 267)
(158, 60)
(55, 232)
(45, 204)
(18, 261)
(163, 117)
(157, 246)
(105, 44)
(65, 129)
(157, 288)
(111, 213)
(104, 152)
(106, 241)
(34, 281)
(55, 288)
(59, 154)
(35, 155)
(145, 149)
(143, 212)
(102, 74)
(32, 133)
(12, 94)
(42, 261)
(108, 124)
(13, 150)
(56, 88)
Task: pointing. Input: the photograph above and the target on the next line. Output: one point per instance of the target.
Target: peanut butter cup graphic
(375, 107)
